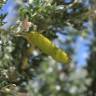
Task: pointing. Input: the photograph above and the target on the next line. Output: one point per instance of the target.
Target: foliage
(26, 47)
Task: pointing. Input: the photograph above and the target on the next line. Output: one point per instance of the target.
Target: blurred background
(70, 25)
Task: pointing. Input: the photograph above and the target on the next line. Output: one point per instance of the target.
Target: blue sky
(9, 8)
(82, 51)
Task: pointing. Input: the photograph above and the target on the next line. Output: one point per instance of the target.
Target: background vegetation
(26, 70)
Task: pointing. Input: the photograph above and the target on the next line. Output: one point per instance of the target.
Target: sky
(10, 8)
(81, 50)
